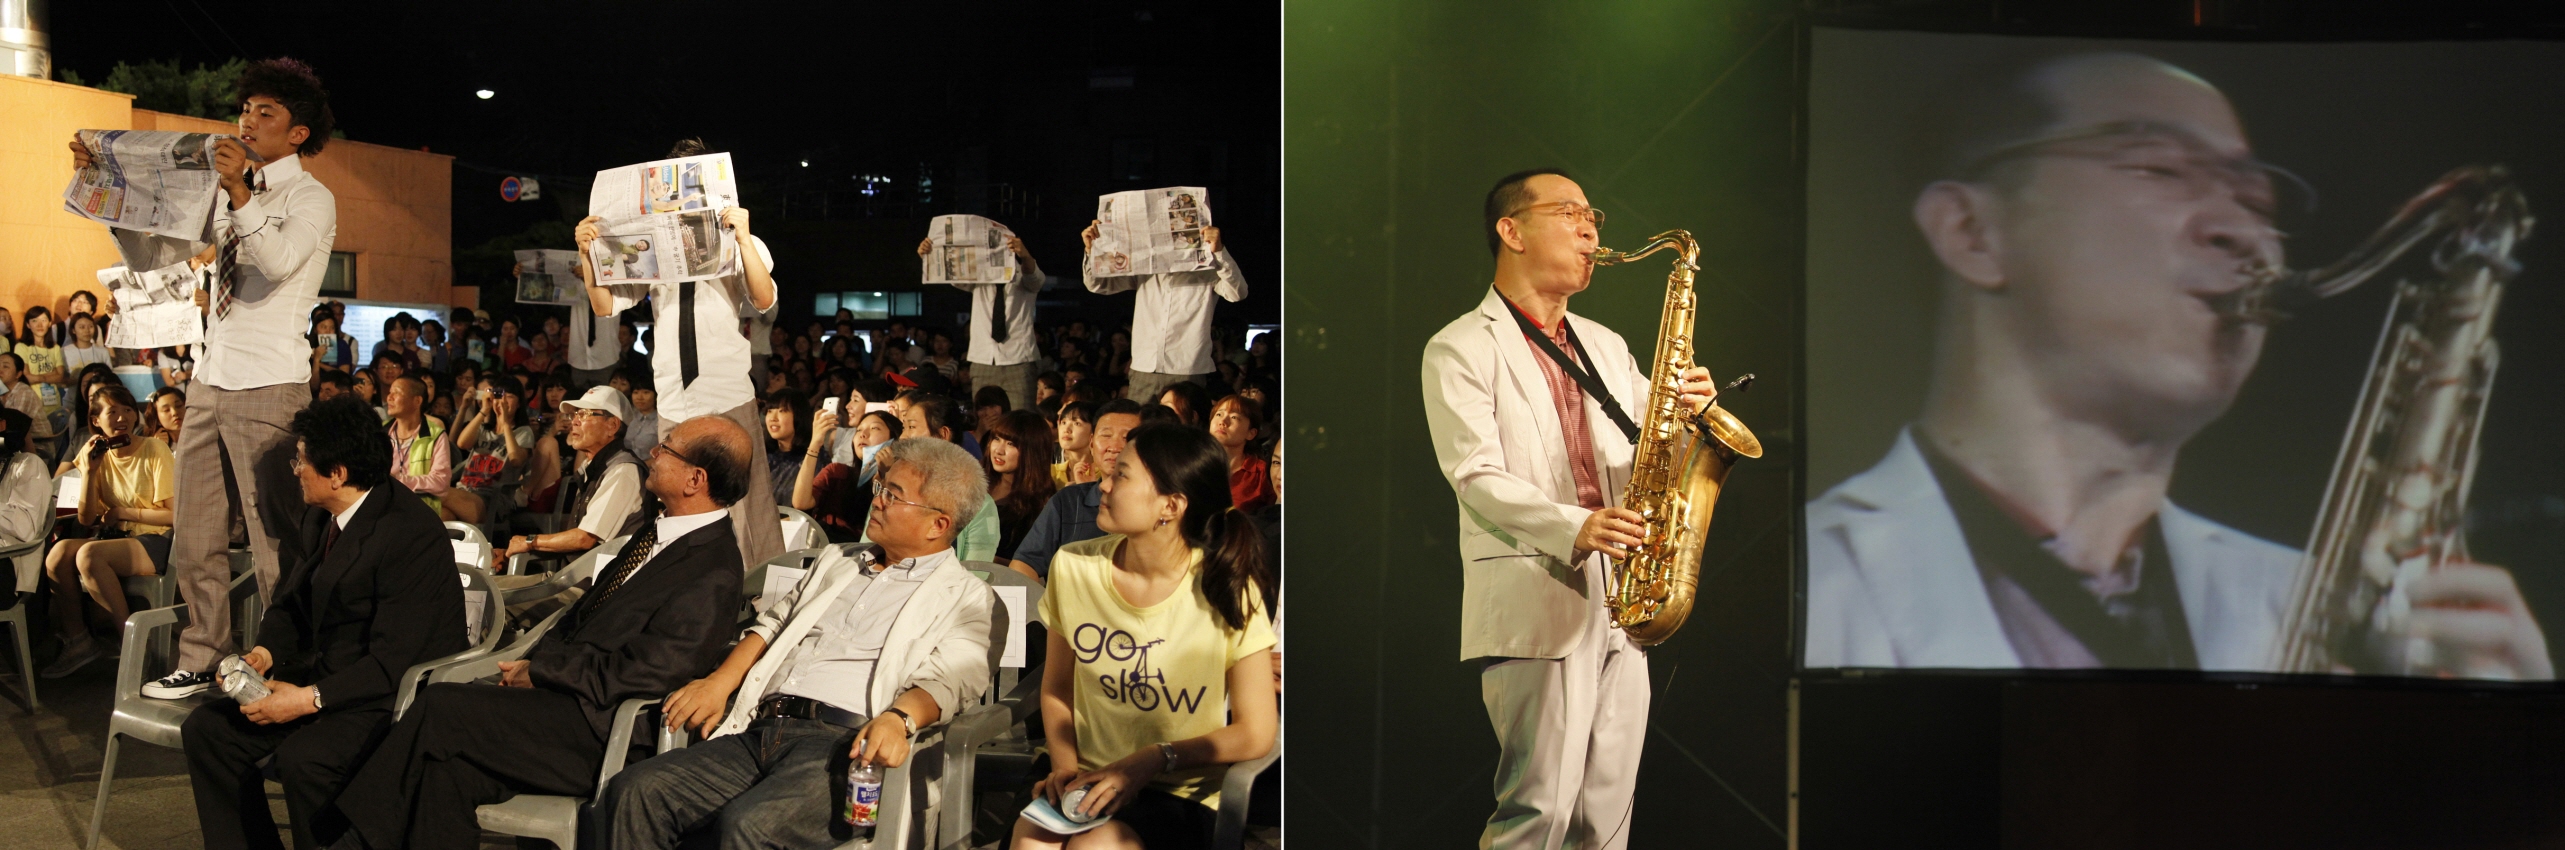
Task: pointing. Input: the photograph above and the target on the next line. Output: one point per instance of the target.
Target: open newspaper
(154, 309)
(967, 249)
(154, 181)
(662, 220)
(1150, 231)
(549, 277)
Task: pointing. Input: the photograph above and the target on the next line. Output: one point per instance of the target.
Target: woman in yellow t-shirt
(1154, 627)
(128, 482)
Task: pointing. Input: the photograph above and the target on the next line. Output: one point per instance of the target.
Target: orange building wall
(395, 207)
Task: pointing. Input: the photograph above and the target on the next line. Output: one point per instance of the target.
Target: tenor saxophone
(2395, 504)
(1679, 467)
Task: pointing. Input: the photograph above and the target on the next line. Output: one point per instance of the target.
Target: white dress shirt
(285, 236)
(834, 661)
(1171, 317)
(1020, 294)
(594, 343)
(673, 527)
(342, 517)
(721, 353)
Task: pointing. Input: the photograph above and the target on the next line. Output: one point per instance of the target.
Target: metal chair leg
(26, 659)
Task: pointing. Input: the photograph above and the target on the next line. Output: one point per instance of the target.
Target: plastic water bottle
(863, 794)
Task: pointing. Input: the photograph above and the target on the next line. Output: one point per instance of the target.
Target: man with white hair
(878, 640)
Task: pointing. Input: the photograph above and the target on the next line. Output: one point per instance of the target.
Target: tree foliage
(164, 86)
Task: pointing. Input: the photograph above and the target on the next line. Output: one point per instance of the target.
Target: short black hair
(14, 439)
(1118, 407)
(1507, 195)
(293, 85)
(1160, 413)
(336, 378)
(688, 147)
(344, 434)
(991, 395)
(939, 408)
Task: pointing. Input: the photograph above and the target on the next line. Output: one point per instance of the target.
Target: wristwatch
(1168, 749)
(905, 720)
(316, 697)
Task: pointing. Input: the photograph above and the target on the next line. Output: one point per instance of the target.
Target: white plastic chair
(800, 531)
(997, 722)
(150, 721)
(27, 561)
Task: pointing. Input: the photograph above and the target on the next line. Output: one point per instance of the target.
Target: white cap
(602, 397)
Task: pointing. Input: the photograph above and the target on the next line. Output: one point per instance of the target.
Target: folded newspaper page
(662, 221)
(550, 277)
(967, 249)
(1151, 231)
(154, 181)
(154, 309)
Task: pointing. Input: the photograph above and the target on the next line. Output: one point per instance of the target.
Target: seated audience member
(661, 614)
(26, 496)
(422, 451)
(1188, 400)
(838, 495)
(168, 414)
(363, 387)
(785, 444)
(1154, 413)
(1019, 467)
(1239, 424)
(1181, 573)
(127, 483)
(175, 364)
(1270, 520)
(331, 351)
(373, 594)
(501, 446)
(16, 394)
(924, 414)
(876, 642)
(988, 405)
(1049, 390)
(609, 483)
(1070, 515)
(330, 385)
(1075, 436)
(644, 428)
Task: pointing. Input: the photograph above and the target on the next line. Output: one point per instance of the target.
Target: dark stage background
(1397, 116)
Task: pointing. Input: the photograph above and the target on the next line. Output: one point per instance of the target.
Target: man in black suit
(661, 615)
(372, 593)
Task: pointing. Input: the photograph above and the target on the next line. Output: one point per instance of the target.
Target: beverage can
(240, 681)
(863, 794)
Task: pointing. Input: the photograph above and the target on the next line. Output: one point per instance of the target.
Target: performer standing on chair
(270, 238)
(699, 357)
(1533, 440)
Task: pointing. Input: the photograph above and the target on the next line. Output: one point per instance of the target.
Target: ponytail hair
(1184, 460)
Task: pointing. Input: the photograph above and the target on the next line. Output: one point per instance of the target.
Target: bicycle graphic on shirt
(1141, 685)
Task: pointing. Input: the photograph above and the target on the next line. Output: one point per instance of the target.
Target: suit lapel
(665, 560)
(343, 555)
(1531, 388)
(1912, 556)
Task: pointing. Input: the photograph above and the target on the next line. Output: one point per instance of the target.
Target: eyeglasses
(2169, 163)
(881, 495)
(1569, 209)
(680, 456)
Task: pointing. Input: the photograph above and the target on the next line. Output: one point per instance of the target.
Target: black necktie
(997, 318)
(329, 537)
(686, 368)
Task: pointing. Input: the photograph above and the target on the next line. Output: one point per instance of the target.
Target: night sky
(1020, 111)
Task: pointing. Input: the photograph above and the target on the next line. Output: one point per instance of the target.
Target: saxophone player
(2088, 212)
(1523, 400)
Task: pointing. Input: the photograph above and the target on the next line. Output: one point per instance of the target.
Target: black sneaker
(179, 685)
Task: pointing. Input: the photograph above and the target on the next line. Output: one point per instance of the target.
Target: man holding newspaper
(673, 232)
(268, 241)
(1161, 243)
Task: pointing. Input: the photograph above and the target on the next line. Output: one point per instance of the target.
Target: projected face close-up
(2049, 428)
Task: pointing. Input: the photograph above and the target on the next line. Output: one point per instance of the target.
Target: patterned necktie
(227, 261)
(624, 564)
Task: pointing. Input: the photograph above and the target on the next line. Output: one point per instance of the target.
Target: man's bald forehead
(714, 430)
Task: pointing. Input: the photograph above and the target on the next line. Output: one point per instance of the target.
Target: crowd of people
(1131, 469)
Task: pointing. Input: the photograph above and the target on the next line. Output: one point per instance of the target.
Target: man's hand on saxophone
(1613, 531)
(1698, 391)
(2477, 625)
